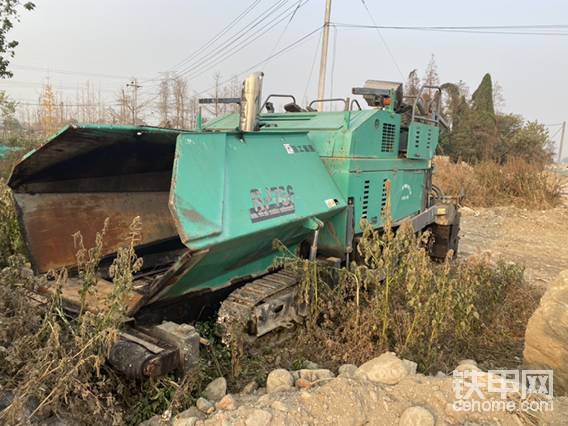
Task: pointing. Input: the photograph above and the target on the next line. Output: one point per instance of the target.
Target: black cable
(248, 41)
(220, 34)
(269, 58)
(219, 58)
(234, 38)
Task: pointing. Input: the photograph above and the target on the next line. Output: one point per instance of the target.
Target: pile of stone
(384, 390)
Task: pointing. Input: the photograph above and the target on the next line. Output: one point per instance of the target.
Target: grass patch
(488, 184)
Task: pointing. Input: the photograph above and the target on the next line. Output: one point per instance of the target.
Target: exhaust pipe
(250, 102)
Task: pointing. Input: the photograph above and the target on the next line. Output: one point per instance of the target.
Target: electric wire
(332, 73)
(314, 60)
(223, 39)
(285, 49)
(287, 25)
(220, 34)
(199, 70)
(385, 44)
(468, 30)
(228, 45)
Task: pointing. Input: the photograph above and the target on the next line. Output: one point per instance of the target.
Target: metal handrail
(276, 96)
(438, 100)
(345, 102)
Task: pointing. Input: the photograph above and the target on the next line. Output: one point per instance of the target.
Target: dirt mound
(385, 390)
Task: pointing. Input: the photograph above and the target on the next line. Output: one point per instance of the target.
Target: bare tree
(180, 95)
(431, 78)
(164, 101)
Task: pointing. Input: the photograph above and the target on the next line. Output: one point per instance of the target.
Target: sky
(108, 42)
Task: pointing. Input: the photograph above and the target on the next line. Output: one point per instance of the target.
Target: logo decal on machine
(406, 192)
(297, 149)
(271, 202)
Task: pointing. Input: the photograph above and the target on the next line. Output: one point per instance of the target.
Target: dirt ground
(537, 239)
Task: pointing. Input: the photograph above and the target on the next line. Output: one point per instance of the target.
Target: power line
(215, 38)
(287, 25)
(34, 84)
(67, 72)
(312, 68)
(387, 48)
(231, 40)
(334, 52)
(269, 58)
(468, 30)
(220, 57)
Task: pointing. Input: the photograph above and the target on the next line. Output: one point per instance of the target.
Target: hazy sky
(124, 38)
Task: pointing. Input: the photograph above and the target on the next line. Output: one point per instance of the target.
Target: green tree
(528, 140)
(483, 120)
(9, 13)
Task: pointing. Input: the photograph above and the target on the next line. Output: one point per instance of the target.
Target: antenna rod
(324, 48)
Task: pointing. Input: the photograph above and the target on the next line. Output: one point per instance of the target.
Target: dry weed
(488, 184)
(10, 239)
(397, 299)
(56, 367)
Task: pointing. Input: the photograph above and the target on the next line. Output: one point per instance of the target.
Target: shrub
(10, 238)
(397, 299)
(489, 184)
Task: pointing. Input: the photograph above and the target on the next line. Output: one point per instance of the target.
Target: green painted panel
(262, 183)
(422, 141)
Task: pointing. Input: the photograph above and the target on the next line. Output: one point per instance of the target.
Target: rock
(227, 403)
(216, 389)
(387, 369)
(249, 388)
(467, 367)
(303, 383)
(188, 417)
(279, 380)
(192, 411)
(468, 361)
(205, 406)
(347, 370)
(309, 365)
(546, 336)
(279, 405)
(258, 418)
(416, 416)
(152, 421)
(185, 421)
(315, 375)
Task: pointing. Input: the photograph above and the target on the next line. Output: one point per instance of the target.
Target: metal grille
(384, 197)
(429, 140)
(365, 204)
(417, 139)
(388, 137)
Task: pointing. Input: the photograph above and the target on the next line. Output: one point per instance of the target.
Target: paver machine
(212, 200)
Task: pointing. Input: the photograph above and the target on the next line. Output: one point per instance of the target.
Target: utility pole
(561, 142)
(324, 48)
(135, 86)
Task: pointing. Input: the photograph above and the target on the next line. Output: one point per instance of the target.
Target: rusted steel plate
(50, 220)
(97, 300)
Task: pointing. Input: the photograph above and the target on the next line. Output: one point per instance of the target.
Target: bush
(10, 238)
(397, 299)
(55, 364)
(489, 184)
